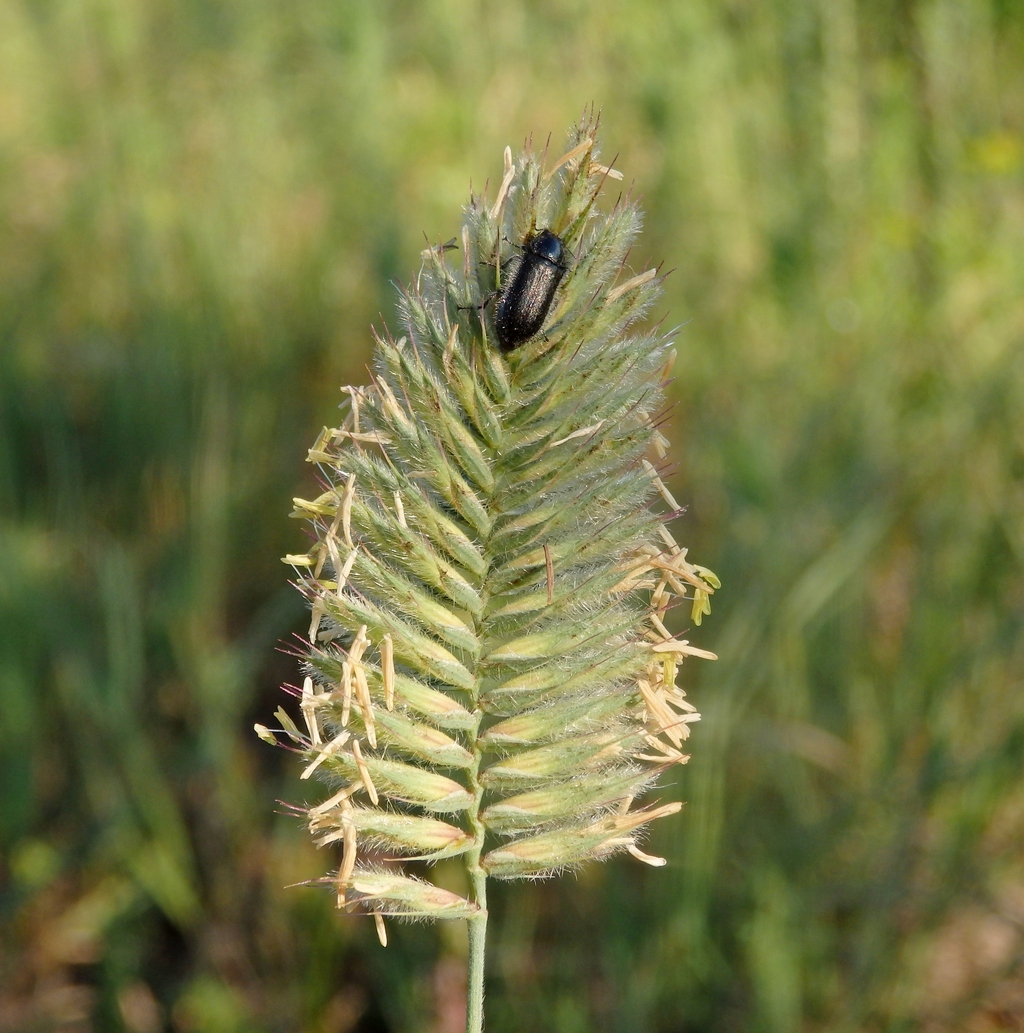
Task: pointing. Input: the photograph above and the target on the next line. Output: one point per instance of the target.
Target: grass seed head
(490, 672)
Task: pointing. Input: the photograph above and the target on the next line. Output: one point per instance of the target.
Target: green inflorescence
(489, 673)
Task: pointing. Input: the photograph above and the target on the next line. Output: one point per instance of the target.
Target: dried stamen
(387, 663)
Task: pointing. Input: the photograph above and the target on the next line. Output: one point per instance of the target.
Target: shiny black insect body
(525, 300)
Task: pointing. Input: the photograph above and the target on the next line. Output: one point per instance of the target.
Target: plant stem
(478, 923)
(477, 947)
(478, 877)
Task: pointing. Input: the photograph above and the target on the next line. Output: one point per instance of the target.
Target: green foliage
(202, 206)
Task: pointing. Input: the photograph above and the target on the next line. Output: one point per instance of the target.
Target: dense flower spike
(489, 671)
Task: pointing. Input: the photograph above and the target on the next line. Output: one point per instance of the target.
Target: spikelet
(489, 672)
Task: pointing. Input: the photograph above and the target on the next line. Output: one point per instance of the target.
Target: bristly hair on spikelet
(489, 674)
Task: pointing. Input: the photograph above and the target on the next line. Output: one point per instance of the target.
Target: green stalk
(477, 947)
(478, 878)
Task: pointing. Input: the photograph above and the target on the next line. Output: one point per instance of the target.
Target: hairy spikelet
(489, 672)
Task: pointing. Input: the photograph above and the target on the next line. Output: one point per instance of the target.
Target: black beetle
(525, 300)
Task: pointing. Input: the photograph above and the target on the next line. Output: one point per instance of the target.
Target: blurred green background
(203, 204)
